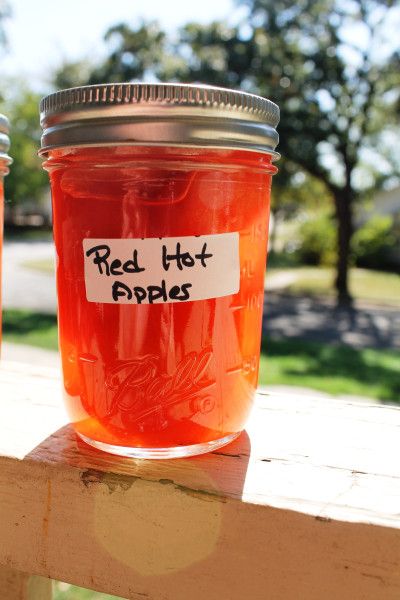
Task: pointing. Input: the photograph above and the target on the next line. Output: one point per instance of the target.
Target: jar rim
(164, 114)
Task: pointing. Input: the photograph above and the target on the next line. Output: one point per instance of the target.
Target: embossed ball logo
(139, 387)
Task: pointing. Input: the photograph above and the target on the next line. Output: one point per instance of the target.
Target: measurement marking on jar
(258, 231)
(234, 370)
(249, 364)
(235, 307)
(248, 270)
(255, 301)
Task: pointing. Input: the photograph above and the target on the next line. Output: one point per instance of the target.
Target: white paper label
(161, 270)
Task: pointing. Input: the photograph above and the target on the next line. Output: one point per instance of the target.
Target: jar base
(161, 453)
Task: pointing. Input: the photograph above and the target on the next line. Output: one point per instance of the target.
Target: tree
(331, 65)
(294, 192)
(332, 89)
(336, 93)
(26, 181)
(71, 74)
(134, 54)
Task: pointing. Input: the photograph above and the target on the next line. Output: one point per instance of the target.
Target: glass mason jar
(5, 160)
(160, 213)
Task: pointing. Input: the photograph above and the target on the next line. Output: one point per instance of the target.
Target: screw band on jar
(159, 115)
(4, 140)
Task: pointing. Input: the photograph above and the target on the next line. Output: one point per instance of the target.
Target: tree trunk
(344, 216)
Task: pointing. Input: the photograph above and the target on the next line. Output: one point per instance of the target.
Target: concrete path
(24, 287)
(294, 390)
(320, 320)
(278, 281)
(30, 355)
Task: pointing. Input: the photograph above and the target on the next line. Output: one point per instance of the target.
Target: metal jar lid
(164, 114)
(4, 140)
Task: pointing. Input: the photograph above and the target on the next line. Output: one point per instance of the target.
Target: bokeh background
(332, 301)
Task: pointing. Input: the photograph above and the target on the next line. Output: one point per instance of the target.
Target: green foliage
(295, 190)
(133, 53)
(293, 53)
(26, 181)
(281, 260)
(71, 74)
(27, 327)
(338, 95)
(65, 591)
(317, 241)
(374, 243)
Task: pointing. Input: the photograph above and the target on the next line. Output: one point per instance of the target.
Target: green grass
(282, 260)
(44, 265)
(365, 284)
(65, 591)
(27, 234)
(27, 327)
(332, 369)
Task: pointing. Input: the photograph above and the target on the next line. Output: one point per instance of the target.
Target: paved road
(284, 316)
(320, 320)
(26, 288)
(30, 355)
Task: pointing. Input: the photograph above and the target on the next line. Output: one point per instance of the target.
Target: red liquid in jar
(1, 245)
(159, 375)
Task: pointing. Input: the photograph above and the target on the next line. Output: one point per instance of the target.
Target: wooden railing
(303, 506)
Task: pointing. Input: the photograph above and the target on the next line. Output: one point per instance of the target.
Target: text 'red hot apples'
(161, 206)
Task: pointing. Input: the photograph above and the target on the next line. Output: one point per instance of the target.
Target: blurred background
(332, 302)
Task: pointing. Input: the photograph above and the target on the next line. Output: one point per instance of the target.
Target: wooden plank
(15, 585)
(304, 505)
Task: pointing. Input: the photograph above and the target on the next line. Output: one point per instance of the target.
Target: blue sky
(42, 33)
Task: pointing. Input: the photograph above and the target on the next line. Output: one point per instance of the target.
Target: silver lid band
(158, 114)
(4, 140)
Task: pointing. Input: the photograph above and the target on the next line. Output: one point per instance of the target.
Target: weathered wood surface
(15, 585)
(305, 505)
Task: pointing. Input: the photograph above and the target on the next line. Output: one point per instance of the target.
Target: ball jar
(5, 161)
(160, 215)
